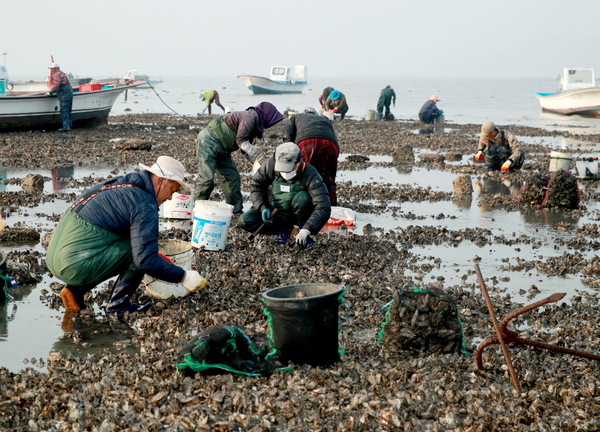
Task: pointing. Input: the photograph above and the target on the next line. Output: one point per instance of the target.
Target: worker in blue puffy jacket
(112, 230)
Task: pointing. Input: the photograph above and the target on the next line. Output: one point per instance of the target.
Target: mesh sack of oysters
(558, 190)
(422, 321)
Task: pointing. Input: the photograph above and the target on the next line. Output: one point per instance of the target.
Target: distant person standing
(318, 144)
(386, 97)
(323, 97)
(336, 102)
(59, 84)
(500, 149)
(210, 96)
(429, 111)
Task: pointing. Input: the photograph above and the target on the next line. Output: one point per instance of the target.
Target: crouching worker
(299, 198)
(112, 230)
(499, 148)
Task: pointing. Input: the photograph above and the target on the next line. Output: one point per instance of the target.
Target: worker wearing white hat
(59, 84)
(112, 230)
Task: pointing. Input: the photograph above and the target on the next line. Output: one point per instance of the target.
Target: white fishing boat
(282, 80)
(91, 106)
(578, 94)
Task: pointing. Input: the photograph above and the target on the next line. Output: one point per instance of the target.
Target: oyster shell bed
(371, 388)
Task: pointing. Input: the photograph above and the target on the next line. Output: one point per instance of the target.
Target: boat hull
(583, 102)
(261, 85)
(43, 111)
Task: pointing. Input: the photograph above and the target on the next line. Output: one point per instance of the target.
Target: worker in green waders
(299, 198)
(112, 230)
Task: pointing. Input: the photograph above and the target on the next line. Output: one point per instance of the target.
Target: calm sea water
(506, 101)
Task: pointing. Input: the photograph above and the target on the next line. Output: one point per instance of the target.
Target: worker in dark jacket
(386, 97)
(336, 102)
(298, 194)
(429, 111)
(318, 144)
(112, 230)
(233, 131)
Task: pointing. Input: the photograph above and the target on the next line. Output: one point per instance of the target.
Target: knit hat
(487, 128)
(171, 169)
(54, 65)
(310, 110)
(286, 156)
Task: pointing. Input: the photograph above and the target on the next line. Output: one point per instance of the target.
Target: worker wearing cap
(429, 111)
(500, 149)
(112, 230)
(318, 144)
(210, 96)
(386, 97)
(59, 84)
(298, 193)
(336, 102)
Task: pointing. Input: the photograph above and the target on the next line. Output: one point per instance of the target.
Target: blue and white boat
(283, 80)
(578, 94)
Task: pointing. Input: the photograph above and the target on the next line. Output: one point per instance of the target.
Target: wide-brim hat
(171, 169)
(287, 156)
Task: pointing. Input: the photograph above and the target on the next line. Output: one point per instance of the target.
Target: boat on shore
(578, 94)
(282, 80)
(91, 106)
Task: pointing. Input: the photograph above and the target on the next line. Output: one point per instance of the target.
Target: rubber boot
(73, 297)
(119, 297)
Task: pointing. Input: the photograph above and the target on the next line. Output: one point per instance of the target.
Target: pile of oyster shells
(136, 386)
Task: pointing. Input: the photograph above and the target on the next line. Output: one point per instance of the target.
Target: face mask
(288, 175)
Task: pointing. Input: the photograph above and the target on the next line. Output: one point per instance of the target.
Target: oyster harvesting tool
(504, 336)
(253, 235)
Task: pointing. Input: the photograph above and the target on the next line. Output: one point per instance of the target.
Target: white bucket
(180, 253)
(370, 115)
(178, 207)
(211, 223)
(587, 168)
(559, 161)
(329, 114)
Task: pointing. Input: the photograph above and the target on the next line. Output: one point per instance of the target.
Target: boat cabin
(287, 75)
(577, 78)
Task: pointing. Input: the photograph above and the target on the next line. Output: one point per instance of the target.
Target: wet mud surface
(133, 384)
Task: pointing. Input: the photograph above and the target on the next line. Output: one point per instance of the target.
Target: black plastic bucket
(305, 322)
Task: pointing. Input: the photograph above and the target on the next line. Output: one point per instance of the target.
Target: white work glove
(301, 237)
(193, 281)
(249, 149)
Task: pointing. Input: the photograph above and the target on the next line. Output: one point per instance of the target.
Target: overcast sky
(346, 38)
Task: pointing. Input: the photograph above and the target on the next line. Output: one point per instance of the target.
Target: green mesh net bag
(422, 321)
(225, 349)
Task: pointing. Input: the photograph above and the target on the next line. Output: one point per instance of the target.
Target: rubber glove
(479, 156)
(506, 165)
(193, 281)
(302, 236)
(335, 110)
(266, 216)
(249, 149)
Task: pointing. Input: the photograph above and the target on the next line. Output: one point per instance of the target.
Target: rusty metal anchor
(504, 336)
